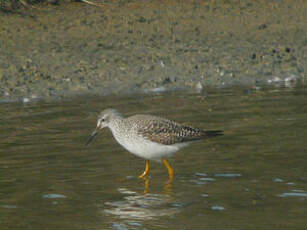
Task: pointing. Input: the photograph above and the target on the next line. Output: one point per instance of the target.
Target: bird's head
(105, 118)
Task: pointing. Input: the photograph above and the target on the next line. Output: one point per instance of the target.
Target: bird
(150, 137)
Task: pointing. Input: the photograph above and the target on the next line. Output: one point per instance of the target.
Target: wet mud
(72, 48)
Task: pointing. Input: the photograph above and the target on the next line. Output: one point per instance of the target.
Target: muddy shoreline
(132, 46)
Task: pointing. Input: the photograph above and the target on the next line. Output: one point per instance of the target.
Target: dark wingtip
(214, 133)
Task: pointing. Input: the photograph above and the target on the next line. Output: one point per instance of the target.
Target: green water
(254, 177)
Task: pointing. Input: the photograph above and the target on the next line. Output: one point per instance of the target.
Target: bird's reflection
(146, 185)
(146, 206)
(167, 189)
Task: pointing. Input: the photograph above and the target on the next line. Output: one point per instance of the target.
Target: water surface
(254, 177)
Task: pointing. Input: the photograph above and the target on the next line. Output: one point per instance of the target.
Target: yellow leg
(145, 173)
(169, 168)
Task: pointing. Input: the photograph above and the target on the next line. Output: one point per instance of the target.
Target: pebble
(25, 100)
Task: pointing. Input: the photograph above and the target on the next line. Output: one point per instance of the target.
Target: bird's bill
(91, 137)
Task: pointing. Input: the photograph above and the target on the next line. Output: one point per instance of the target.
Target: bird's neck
(115, 124)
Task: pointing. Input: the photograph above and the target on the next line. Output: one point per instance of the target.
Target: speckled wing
(167, 132)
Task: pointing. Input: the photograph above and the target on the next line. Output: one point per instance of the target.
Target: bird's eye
(102, 119)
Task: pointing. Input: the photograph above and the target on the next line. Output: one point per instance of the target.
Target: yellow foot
(169, 169)
(146, 172)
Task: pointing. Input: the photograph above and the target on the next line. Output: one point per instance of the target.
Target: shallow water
(254, 177)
